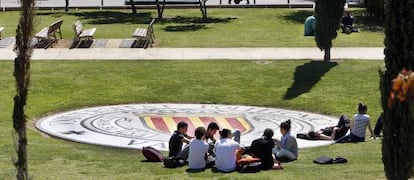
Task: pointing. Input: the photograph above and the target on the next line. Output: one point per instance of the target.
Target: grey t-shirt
(360, 125)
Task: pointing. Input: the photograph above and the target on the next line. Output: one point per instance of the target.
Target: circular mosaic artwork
(138, 125)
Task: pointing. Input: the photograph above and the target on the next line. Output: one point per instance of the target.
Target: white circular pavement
(138, 125)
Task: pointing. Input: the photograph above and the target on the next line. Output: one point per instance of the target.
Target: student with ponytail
(360, 122)
(287, 148)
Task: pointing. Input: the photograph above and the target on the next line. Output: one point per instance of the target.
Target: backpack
(329, 160)
(252, 167)
(173, 162)
(152, 154)
(249, 165)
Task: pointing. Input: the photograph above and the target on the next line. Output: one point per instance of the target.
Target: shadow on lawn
(298, 16)
(361, 19)
(306, 76)
(107, 17)
(366, 22)
(190, 23)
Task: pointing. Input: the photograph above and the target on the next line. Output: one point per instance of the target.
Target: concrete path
(375, 53)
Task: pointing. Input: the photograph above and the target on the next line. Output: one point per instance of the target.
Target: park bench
(161, 5)
(1, 29)
(47, 36)
(82, 34)
(144, 36)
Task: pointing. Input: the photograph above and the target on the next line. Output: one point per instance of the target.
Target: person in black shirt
(178, 138)
(262, 148)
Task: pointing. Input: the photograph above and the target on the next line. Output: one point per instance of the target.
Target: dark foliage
(328, 15)
(398, 140)
(23, 50)
(375, 7)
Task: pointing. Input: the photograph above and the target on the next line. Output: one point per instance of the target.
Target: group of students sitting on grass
(204, 151)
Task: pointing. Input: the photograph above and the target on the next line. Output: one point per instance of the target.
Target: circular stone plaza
(138, 125)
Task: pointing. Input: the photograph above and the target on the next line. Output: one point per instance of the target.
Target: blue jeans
(378, 126)
(350, 138)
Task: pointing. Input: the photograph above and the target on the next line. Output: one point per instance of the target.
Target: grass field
(227, 27)
(329, 88)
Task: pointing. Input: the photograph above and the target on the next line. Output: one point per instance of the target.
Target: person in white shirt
(359, 124)
(198, 150)
(226, 152)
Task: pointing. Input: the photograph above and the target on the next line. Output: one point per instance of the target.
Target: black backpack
(173, 162)
(329, 160)
(252, 167)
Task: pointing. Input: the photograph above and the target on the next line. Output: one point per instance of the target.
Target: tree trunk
(66, 5)
(23, 51)
(133, 7)
(327, 56)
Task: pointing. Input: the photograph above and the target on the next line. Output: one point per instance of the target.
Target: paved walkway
(375, 53)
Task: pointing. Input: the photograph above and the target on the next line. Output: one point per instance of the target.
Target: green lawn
(227, 27)
(329, 88)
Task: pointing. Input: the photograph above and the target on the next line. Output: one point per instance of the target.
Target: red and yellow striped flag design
(168, 124)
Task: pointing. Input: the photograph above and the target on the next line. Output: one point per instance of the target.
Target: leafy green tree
(23, 51)
(328, 15)
(397, 90)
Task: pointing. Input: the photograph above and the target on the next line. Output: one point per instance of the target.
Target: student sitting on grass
(262, 148)
(198, 148)
(177, 139)
(226, 151)
(347, 23)
(212, 129)
(360, 122)
(287, 148)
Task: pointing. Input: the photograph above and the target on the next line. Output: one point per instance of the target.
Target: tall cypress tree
(23, 51)
(398, 140)
(328, 15)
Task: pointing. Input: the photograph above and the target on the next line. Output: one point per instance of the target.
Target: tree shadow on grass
(107, 17)
(306, 76)
(298, 16)
(182, 28)
(366, 22)
(188, 20)
(116, 17)
(189, 23)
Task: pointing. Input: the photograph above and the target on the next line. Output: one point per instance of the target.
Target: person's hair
(362, 108)
(181, 125)
(225, 133)
(213, 126)
(268, 133)
(200, 132)
(285, 125)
